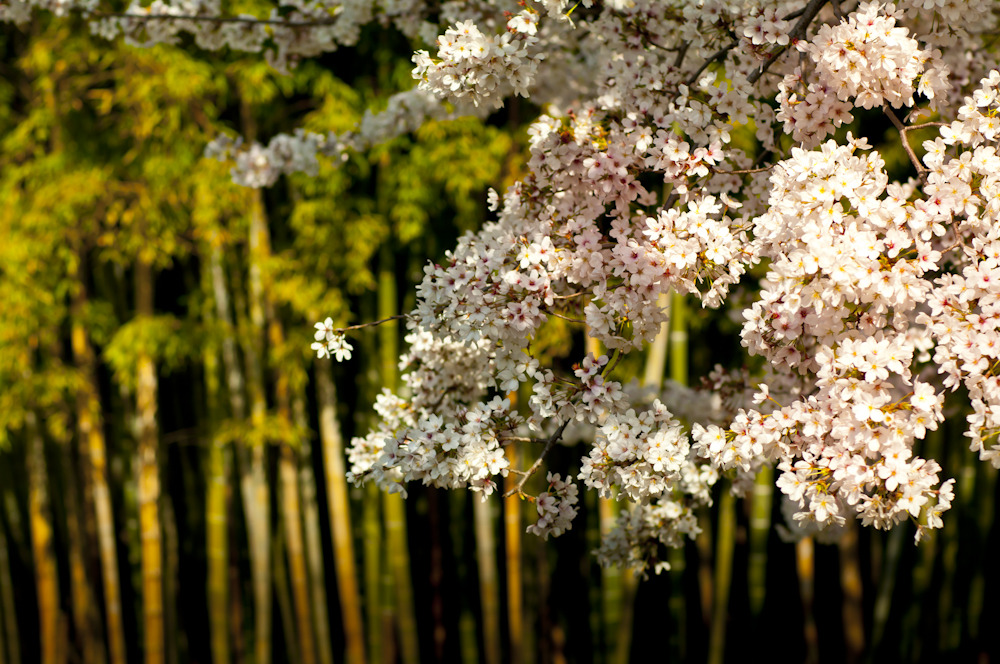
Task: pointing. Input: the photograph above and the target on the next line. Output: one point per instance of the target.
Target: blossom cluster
(471, 66)
(851, 304)
(683, 147)
(555, 507)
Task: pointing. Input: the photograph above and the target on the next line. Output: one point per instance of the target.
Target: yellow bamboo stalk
(149, 481)
(850, 586)
(515, 581)
(46, 572)
(88, 629)
(340, 514)
(292, 516)
(91, 431)
(11, 639)
(806, 569)
(311, 533)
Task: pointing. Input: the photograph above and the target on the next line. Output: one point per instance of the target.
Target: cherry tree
(683, 147)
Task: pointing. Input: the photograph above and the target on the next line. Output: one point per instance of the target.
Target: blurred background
(172, 453)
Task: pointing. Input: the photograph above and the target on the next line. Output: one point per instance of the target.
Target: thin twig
(538, 462)
(715, 56)
(797, 33)
(373, 323)
(745, 171)
(567, 318)
(921, 169)
(570, 296)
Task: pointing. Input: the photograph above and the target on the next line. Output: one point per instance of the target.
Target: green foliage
(164, 338)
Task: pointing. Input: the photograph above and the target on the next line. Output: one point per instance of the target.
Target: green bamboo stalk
(149, 481)
(340, 516)
(372, 528)
(724, 546)
(11, 639)
(216, 470)
(760, 531)
(216, 519)
(311, 533)
(255, 486)
(40, 516)
(394, 510)
(488, 581)
(886, 586)
(678, 352)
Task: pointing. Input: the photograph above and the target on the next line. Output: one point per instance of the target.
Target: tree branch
(797, 33)
(518, 488)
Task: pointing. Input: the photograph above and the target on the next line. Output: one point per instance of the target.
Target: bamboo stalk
(11, 639)
(311, 533)
(294, 550)
(675, 556)
(760, 532)
(372, 528)
(46, 572)
(171, 559)
(458, 517)
(439, 633)
(90, 428)
(85, 622)
(288, 468)
(724, 545)
(515, 581)
(805, 568)
(256, 492)
(340, 515)
(850, 585)
(285, 610)
(149, 481)
(923, 570)
(216, 510)
(488, 590)
(986, 509)
(394, 510)
(217, 550)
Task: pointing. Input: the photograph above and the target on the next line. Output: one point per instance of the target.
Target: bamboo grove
(172, 459)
